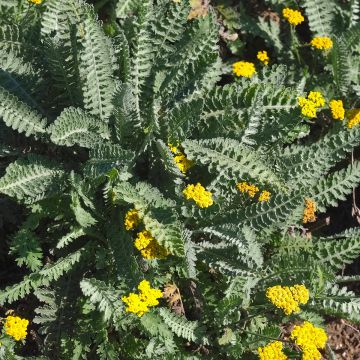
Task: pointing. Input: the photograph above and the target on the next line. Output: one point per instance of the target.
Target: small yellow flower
(309, 338)
(132, 219)
(140, 303)
(272, 351)
(294, 17)
(148, 246)
(264, 196)
(263, 57)
(199, 194)
(16, 327)
(337, 109)
(36, 2)
(353, 117)
(317, 98)
(310, 104)
(245, 187)
(288, 298)
(244, 68)
(308, 108)
(321, 43)
(182, 162)
(309, 211)
(173, 148)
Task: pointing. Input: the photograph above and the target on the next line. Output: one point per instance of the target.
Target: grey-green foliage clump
(86, 120)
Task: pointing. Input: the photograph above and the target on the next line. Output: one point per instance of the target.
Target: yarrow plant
(244, 69)
(132, 219)
(16, 327)
(294, 17)
(310, 104)
(272, 351)
(309, 211)
(263, 57)
(288, 298)
(198, 193)
(309, 338)
(140, 303)
(137, 149)
(337, 109)
(322, 43)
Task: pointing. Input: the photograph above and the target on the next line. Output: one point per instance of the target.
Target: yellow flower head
(199, 194)
(149, 248)
(244, 68)
(245, 187)
(294, 17)
(173, 148)
(140, 303)
(317, 98)
(308, 337)
(309, 211)
(308, 108)
(263, 57)
(321, 43)
(132, 219)
(264, 196)
(149, 295)
(288, 298)
(272, 351)
(16, 327)
(354, 117)
(182, 162)
(36, 2)
(337, 109)
(310, 104)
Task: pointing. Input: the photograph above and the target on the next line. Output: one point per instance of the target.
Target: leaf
(31, 179)
(74, 126)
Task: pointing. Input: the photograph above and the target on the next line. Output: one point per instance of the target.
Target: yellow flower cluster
(294, 17)
(252, 190)
(337, 109)
(272, 351)
(132, 219)
(309, 338)
(288, 298)
(321, 43)
(264, 196)
(310, 104)
(309, 211)
(244, 68)
(199, 194)
(140, 303)
(37, 2)
(263, 57)
(182, 162)
(354, 118)
(16, 327)
(148, 246)
(317, 98)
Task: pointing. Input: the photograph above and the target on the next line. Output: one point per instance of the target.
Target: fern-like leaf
(31, 179)
(74, 126)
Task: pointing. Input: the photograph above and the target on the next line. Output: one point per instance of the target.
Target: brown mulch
(344, 339)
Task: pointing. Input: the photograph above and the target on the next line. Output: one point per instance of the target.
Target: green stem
(264, 336)
(295, 44)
